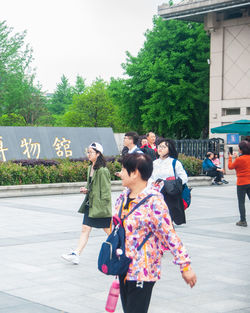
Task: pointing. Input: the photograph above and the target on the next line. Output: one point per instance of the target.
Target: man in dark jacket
(212, 170)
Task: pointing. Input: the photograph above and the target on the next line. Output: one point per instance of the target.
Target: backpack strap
(138, 204)
(120, 211)
(144, 241)
(134, 208)
(173, 164)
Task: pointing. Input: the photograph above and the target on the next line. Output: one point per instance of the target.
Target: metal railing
(199, 147)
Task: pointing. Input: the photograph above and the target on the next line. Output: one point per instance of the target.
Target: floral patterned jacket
(152, 216)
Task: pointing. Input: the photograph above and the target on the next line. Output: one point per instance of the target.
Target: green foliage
(92, 108)
(18, 95)
(62, 97)
(12, 119)
(167, 88)
(113, 168)
(67, 171)
(79, 86)
(192, 165)
(119, 93)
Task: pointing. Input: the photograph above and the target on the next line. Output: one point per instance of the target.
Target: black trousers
(214, 173)
(135, 296)
(242, 190)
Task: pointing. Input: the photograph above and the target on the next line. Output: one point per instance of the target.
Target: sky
(80, 37)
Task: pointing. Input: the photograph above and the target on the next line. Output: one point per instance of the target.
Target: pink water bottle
(113, 296)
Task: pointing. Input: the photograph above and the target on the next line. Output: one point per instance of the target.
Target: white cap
(98, 147)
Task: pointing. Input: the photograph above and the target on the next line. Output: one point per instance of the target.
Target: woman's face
(92, 155)
(162, 149)
(127, 180)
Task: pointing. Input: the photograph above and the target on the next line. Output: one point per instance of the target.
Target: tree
(119, 94)
(93, 108)
(18, 94)
(12, 119)
(14, 67)
(34, 104)
(79, 86)
(167, 88)
(62, 97)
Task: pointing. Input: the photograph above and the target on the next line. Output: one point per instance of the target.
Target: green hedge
(66, 171)
(192, 165)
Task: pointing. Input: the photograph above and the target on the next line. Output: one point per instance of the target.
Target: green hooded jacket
(99, 194)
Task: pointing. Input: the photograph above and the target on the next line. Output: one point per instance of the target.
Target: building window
(248, 111)
(231, 111)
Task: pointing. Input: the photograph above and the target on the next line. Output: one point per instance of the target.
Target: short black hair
(172, 152)
(134, 136)
(245, 147)
(133, 161)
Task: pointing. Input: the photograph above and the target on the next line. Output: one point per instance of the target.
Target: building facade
(228, 24)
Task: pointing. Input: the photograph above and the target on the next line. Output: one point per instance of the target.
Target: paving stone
(35, 231)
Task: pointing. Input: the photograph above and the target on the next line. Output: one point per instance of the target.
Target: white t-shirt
(163, 169)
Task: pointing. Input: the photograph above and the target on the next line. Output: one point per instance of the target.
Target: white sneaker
(71, 257)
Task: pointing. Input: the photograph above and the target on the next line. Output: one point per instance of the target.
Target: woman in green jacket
(97, 203)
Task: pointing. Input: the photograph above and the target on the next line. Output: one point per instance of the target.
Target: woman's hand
(190, 277)
(83, 190)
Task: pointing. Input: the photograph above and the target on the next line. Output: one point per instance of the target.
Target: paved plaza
(35, 231)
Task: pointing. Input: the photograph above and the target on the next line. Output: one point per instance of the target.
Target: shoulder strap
(135, 207)
(144, 240)
(173, 164)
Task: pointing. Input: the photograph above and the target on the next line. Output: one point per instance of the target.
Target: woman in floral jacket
(152, 216)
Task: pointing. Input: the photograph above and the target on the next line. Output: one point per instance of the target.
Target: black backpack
(112, 259)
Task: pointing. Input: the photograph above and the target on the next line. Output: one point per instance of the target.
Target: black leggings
(242, 190)
(214, 173)
(135, 296)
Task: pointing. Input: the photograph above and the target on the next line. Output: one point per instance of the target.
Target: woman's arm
(168, 237)
(164, 231)
(231, 164)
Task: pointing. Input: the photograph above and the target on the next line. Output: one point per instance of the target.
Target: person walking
(97, 203)
(151, 220)
(241, 164)
(163, 170)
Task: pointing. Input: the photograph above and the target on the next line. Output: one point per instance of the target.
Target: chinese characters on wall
(62, 147)
(2, 150)
(32, 149)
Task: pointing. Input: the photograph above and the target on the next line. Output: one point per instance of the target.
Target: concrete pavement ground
(35, 231)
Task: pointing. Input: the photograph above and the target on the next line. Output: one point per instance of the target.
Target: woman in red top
(242, 166)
